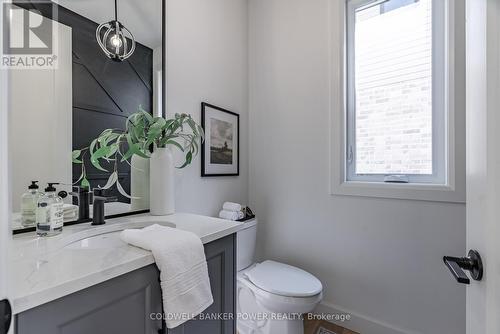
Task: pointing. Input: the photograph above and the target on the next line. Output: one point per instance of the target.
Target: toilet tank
(246, 240)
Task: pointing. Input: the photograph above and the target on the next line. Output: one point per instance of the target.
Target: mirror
(57, 109)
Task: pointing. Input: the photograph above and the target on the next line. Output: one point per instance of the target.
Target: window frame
(439, 114)
(454, 189)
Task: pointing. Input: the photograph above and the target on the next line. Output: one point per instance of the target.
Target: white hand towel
(68, 208)
(229, 206)
(231, 215)
(183, 270)
(70, 212)
(67, 217)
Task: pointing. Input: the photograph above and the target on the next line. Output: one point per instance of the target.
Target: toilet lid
(282, 279)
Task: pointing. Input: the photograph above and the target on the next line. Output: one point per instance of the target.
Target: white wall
(380, 259)
(207, 61)
(5, 207)
(143, 18)
(157, 84)
(41, 126)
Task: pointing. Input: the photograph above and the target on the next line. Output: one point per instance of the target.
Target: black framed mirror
(58, 110)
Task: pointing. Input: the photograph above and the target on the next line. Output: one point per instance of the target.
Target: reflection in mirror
(55, 111)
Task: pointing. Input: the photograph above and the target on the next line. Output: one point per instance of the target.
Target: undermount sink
(108, 240)
(107, 236)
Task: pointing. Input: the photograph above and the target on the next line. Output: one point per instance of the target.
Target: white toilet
(271, 296)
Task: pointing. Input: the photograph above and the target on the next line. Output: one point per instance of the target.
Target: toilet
(271, 296)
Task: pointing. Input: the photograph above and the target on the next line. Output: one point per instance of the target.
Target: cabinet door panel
(119, 306)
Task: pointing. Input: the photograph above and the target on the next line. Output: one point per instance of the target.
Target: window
(396, 88)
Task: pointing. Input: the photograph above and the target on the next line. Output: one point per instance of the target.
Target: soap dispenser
(49, 213)
(29, 202)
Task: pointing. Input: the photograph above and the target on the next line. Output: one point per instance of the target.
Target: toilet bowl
(271, 296)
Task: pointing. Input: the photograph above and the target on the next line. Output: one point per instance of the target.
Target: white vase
(161, 182)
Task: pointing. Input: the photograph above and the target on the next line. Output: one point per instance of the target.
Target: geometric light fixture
(115, 39)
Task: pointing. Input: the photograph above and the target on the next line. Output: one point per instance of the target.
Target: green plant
(142, 132)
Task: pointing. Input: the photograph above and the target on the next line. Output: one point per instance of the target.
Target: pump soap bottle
(49, 213)
(29, 202)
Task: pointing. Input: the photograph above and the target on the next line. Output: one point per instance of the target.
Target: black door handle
(471, 263)
(5, 316)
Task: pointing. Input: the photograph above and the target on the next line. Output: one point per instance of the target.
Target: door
(4, 195)
(483, 162)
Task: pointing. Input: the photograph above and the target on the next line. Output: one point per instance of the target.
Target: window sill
(408, 191)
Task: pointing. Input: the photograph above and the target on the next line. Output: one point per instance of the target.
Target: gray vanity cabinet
(124, 305)
(119, 306)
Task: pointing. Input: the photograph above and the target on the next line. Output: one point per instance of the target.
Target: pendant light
(115, 39)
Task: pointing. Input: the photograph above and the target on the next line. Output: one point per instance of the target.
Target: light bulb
(116, 41)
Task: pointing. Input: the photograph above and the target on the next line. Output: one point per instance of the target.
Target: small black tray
(246, 219)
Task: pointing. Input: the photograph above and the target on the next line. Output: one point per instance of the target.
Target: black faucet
(99, 198)
(82, 196)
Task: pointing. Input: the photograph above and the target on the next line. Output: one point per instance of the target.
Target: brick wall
(394, 90)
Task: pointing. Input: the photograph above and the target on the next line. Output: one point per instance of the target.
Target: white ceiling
(142, 18)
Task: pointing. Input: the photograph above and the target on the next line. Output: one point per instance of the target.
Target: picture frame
(220, 152)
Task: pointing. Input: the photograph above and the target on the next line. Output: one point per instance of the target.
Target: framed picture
(220, 153)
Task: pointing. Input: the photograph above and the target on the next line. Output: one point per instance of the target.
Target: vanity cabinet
(120, 305)
(124, 305)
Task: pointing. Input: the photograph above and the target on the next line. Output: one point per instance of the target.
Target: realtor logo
(28, 36)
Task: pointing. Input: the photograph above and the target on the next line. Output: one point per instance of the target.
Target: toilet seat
(277, 302)
(284, 280)
(256, 301)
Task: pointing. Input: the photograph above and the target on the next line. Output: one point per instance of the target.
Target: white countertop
(45, 269)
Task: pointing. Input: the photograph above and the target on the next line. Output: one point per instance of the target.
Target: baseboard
(360, 323)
